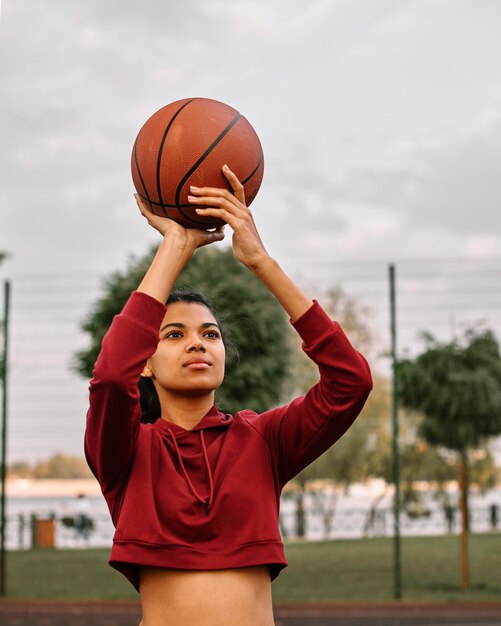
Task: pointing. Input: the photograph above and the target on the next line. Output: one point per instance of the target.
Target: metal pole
(395, 441)
(465, 525)
(3, 460)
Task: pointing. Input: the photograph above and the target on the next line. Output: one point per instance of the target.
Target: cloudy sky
(380, 121)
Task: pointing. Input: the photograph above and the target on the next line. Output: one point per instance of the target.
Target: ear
(147, 371)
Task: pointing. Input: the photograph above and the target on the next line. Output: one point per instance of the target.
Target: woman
(195, 495)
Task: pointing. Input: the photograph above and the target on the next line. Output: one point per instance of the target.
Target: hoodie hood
(179, 439)
(213, 419)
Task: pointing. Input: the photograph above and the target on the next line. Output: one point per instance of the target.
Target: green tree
(457, 388)
(257, 359)
(356, 455)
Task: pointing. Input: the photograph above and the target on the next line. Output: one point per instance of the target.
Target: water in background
(350, 518)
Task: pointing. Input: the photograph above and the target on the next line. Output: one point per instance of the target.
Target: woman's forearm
(170, 258)
(290, 296)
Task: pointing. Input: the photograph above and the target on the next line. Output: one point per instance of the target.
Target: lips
(197, 363)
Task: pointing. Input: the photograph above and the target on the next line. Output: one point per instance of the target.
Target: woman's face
(190, 356)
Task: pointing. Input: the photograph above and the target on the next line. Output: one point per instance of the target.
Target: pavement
(80, 613)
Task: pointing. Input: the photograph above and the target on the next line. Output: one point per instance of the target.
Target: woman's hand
(247, 245)
(231, 208)
(192, 238)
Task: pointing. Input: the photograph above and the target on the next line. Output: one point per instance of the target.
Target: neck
(185, 411)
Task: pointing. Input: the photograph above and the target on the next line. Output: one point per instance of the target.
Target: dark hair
(148, 397)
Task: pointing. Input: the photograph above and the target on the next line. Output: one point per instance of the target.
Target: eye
(173, 334)
(212, 334)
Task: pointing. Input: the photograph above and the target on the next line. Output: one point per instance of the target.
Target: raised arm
(114, 415)
(300, 432)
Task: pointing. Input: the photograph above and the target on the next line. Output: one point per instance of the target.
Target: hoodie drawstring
(208, 501)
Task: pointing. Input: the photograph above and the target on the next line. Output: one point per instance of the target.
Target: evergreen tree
(457, 388)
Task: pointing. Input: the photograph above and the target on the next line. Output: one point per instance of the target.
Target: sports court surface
(40, 613)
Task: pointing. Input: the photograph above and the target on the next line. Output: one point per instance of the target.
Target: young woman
(194, 496)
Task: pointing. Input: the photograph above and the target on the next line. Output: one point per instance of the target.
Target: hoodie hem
(127, 556)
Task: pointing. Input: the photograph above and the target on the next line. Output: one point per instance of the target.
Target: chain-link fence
(48, 398)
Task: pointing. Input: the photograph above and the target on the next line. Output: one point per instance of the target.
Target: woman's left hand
(231, 208)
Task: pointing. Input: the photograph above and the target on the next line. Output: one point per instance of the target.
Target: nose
(195, 345)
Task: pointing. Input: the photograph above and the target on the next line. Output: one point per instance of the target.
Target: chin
(195, 393)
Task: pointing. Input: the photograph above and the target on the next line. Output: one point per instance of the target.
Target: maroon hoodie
(209, 497)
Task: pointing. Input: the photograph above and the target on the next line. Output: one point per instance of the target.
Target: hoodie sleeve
(300, 432)
(114, 413)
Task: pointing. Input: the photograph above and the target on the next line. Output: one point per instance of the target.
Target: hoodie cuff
(145, 309)
(314, 324)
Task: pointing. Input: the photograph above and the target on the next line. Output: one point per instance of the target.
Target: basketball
(187, 143)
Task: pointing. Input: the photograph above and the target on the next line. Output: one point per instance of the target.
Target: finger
(222, 214)
(217, 234)
(221, 202)
(236, 185)
(138, 200)
(142, 206)
(216, 192)
(154, 220)
(211, 236)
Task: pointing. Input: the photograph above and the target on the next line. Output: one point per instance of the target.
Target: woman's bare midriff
(229, 597)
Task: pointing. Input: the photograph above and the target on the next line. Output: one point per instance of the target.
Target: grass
(358, 570)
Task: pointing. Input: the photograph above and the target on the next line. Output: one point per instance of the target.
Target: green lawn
(320, 571)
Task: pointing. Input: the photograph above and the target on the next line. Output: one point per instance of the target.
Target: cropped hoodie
(209, 497)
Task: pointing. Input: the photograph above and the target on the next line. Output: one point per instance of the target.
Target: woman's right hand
(192, 238)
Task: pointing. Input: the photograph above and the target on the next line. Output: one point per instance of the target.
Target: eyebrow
(181, 325)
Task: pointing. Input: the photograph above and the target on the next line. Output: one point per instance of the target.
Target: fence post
(397, 571)
(3, 461)
(33, 530)
(20, 530)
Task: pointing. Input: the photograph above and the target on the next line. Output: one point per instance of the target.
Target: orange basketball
(187, 143)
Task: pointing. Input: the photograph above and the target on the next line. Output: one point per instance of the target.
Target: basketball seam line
(200, 160)
(165, 205)
(160, 151)
(246, 180)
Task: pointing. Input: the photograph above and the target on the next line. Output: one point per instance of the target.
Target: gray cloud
(449, 181)
(321, 81)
